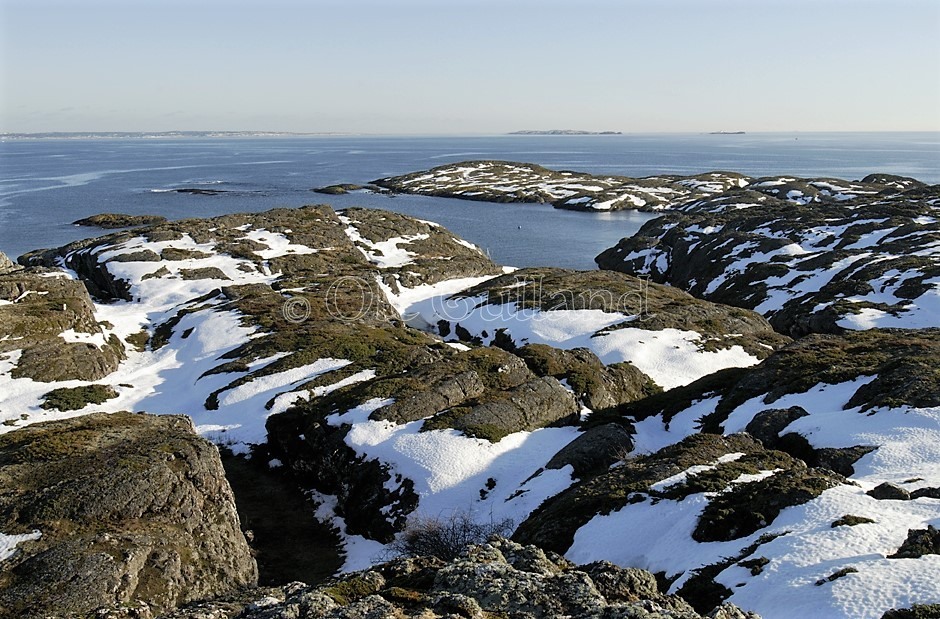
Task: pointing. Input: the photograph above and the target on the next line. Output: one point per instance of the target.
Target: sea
(46, 184)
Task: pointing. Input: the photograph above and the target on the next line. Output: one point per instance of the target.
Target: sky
(469, 66)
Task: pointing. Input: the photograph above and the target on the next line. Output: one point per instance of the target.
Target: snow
(696, 229)
(384, 254)
(285, 400)
(272, 382)
(658, 537)
(278, 244)
(692, 471)
(467, 244)
(360, 552)
(652, 434)
(72, 337)
(671, 357)
(920, 313)
(413, 303)
(449, 469)
(871, 239)
(8, 543)
(796, 283)
(172, 380)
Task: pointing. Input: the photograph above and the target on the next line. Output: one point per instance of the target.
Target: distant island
(100, 135)
(726, 133)
(563, 132)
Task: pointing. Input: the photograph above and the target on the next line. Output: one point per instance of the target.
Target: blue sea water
(46, 184)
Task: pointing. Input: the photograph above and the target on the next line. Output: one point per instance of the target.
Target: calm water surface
(45, 185)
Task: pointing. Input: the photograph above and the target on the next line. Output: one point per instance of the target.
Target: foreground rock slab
(124, 509)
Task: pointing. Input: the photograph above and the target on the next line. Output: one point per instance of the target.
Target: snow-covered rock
(869, 260)
(777, 531)
(507, 181)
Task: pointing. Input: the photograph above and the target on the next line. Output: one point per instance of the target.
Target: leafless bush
(446, 537)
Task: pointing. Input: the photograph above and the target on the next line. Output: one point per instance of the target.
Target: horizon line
(247, 133)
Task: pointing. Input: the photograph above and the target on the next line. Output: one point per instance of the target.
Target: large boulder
(594, 450)
(599, 386)
(127, 509)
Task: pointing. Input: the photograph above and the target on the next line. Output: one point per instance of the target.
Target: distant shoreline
(168, 135)
(157, 135)
(562, 132)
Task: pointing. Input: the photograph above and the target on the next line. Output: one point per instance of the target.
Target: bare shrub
(445, 538)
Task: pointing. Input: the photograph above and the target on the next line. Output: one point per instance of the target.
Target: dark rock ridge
(507, 181)
(811, 256)
(133, 510)
(597, 385)
(495, 579)
(119, 220)
(919, 542)
(39, 308)
(200, 191)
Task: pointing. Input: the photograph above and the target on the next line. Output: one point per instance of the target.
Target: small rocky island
(739, 410)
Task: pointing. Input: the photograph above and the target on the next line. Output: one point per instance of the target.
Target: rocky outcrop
(496, 579)
(534, 404)
(483, 392)
(432, 253)
(595, 450)
(598, 386)
(903, 364)
(338, 190)
(849, 256)
(507, 181)
(839, 418)
(642, 305)
(132, 510)
(919, 542)
(50, 319)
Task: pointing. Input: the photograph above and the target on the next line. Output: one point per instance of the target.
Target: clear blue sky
(461, 66)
